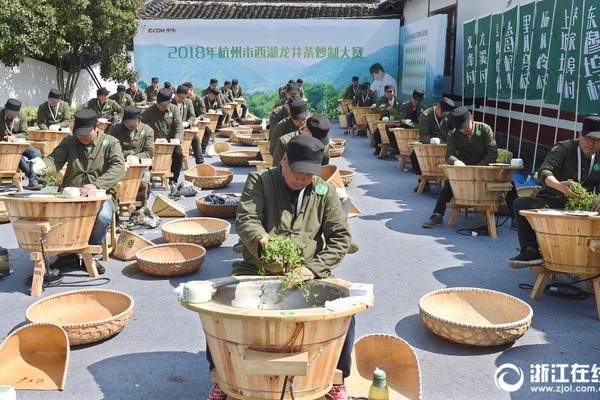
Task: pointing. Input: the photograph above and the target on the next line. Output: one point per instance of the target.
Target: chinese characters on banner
(495, 51)
(470, 50)
(522, 76)
(509, 44)
(544, 16)
(589, 86)
(483, 48)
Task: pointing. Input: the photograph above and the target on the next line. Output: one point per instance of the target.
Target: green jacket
(16, 127)
(151, 93)
(104, 167)
(281, 148)
(382, 105)
(479, 148)
(215, 105)
(139, 97)
(205, 91)
(278, 113)
(363, 99)
(45, 117)
(238, 91)
(228, 95)
(350, 92)
(199, 106)
(187, 113)
(561, 162)
(407, 112)
(431, 127)
(320, 230)
(142, 145)
(110, 110)
(123, 101)
(165, 125)
(283, 127)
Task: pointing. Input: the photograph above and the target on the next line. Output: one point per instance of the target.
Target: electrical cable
(564, 289)
(480, 230)
(284, 387)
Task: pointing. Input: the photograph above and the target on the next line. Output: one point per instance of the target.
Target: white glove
(408, 121)
(186, 124)
(38, 165)
(459, 163)
(373, 105)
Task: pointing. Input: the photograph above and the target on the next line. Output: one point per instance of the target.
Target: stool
(112, 235)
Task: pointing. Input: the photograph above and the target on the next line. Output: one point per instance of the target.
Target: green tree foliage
(261, 103)
(71, 33)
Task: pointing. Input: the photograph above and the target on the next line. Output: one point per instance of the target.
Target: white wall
(31, 81)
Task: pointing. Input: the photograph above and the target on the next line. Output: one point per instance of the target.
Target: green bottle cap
(379, 378)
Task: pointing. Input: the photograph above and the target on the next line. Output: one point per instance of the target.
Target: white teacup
(55, 127)
(435, 140)
(71, 192)
(97, 193)
(197, 291)
(7, 393)
(175, 141)
(516, 162)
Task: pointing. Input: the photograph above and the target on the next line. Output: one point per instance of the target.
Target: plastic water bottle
(379, 389)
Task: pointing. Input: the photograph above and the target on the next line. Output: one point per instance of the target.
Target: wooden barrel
(346, 105)
(50, 139)
(331, 174)
(263, 148)
(163, 155)
(10, 155)
(188, 136)
(430, 157)
(360, 114)
(228, 109)
(255, 341)
(68, 221)
(214, 120)
(567, 242)
(130, 184)
(404, 137)
(372, 120)
(474, 185)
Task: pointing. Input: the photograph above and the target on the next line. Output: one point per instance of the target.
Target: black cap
(591, 126)
(418, 95)
(85, 122)
(102, 92)
(54, 94)
(292, 88)
(167, 84)
(188, 84)
(234, 81)
(365, 86)
(355, 79)
(291, 81)
(182, 90)
(213, 80)
(299, 80)
(164, 96)
(305, 155)
(461, 117)
(154, 79)
(131, 114)
(446, 104)
(298, 109)
(121, 88)
(226, 83)
(13, 105)
(388, 87)
(214, 91)
(131, 79)
(319, 127)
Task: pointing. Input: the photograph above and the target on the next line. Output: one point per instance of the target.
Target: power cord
(480, 230)
(564, 289)
(54, 278)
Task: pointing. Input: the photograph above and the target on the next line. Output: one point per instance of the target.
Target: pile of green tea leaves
(50, 177)
(584, 201)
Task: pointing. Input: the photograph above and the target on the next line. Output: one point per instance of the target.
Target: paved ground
(161, 353)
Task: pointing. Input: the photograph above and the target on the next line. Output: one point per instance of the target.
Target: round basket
(237, 158)
(128, 244)
(250, 140)
(195, 175)
(171, 259)
(478, 317)
(336, 150)
(88, 315)
(207, 232)
(347, 176)
(217, 210)
(226, 132)
(338, 142)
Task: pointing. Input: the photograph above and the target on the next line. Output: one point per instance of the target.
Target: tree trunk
(67, 86)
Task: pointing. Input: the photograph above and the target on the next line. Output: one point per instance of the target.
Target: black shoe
(513, 224)
(433, 221)
(67, 262)
(528, 257)
(198, 162)
(376, 152)
(207, 155)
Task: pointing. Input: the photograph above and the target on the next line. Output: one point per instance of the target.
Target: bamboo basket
(430, 157)
(392, 354)
(128, 244)
(567, 242)
(237, 158)
(528, 191)
(228, 132)
(474, 185)
(331, 175)
(250, 140)
(261, 165)
(130, 184)
(372, 121)
(200, 176)
(338, 142)
(263, 148)
(221, 147)
(87, 315)
(35, 357)
(171, 259)
(217, 210)
(346, 105)
(163, 156)
(10, 155)
(250, 336)
(49, 139)
(206, 232)
(256, 128)
(165, 207)
(404, 138)
(335, 150)
(347, 176)
(474, 316)
(64, 223)
(252, 121)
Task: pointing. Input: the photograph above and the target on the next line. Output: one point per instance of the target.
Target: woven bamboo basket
(35, 357)
(200, 176)
(338, 142)
(165, 207)
(392, 354)
(247, 329)
(207, 232)
(261, 165)
(87, 315)
(430, 157)
(474, 316)
(227, 132)
(250, 140)
(171, 259)
(256, 128)
(163, 155)
(130, 184)
(404, 137)
(479, 185)
(221, 147)
(335, 150)
(10, 155)
(568, 243)
(128, 244)
(217, 210)
(237, 158)
(347, 176)
(346, 105)
(252, 121)
(50, 139)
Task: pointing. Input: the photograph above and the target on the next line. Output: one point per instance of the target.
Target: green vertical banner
(522, 60)
(544, 15)
(509, 42)
(483, 50)
(495, 59)
(589, 86)
(469, 54)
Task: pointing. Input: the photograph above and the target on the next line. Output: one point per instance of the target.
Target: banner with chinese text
(470, 66)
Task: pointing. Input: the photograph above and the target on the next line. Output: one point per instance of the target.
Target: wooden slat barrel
(346, 105)
(228, 108)
(372, 120)
(163, 155)
(566, 241)
(50, 139)
(331, 174)
(474, 185)
(10, 155)
(70, 220)
(188, 135)
(360, 114)
(430, 157)
(263, 148)
(130, 184)
(214, 120)
(404, 137)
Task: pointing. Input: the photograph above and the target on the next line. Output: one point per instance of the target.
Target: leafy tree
(322, 98)
(261, 103)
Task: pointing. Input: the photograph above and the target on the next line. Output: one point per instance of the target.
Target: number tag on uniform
(105, 142)
(596, 167)
(142, 133)
(321, 189)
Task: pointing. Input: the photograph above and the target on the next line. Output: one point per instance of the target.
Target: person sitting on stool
(388, 107)
(365, 98)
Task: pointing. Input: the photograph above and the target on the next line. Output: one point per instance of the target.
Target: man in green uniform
(199, 110)
(104, 107)
(281, 91)
(238, 92)
(184, 106)
(136, 139)
(292, 200)
(300, 84)
(53, 112)
(212, 85)
(121, 97)
(138, 95)
(351, 90)
(152, 90)
(317, 126)
(212, 101)
(95, 161)
(167, 85)
(281, 109)
(365, 98)
(411, 110)
(576, 160)
(164, 119)
(388, 107)
(298, 114)
(227, 93)
(290, 90)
